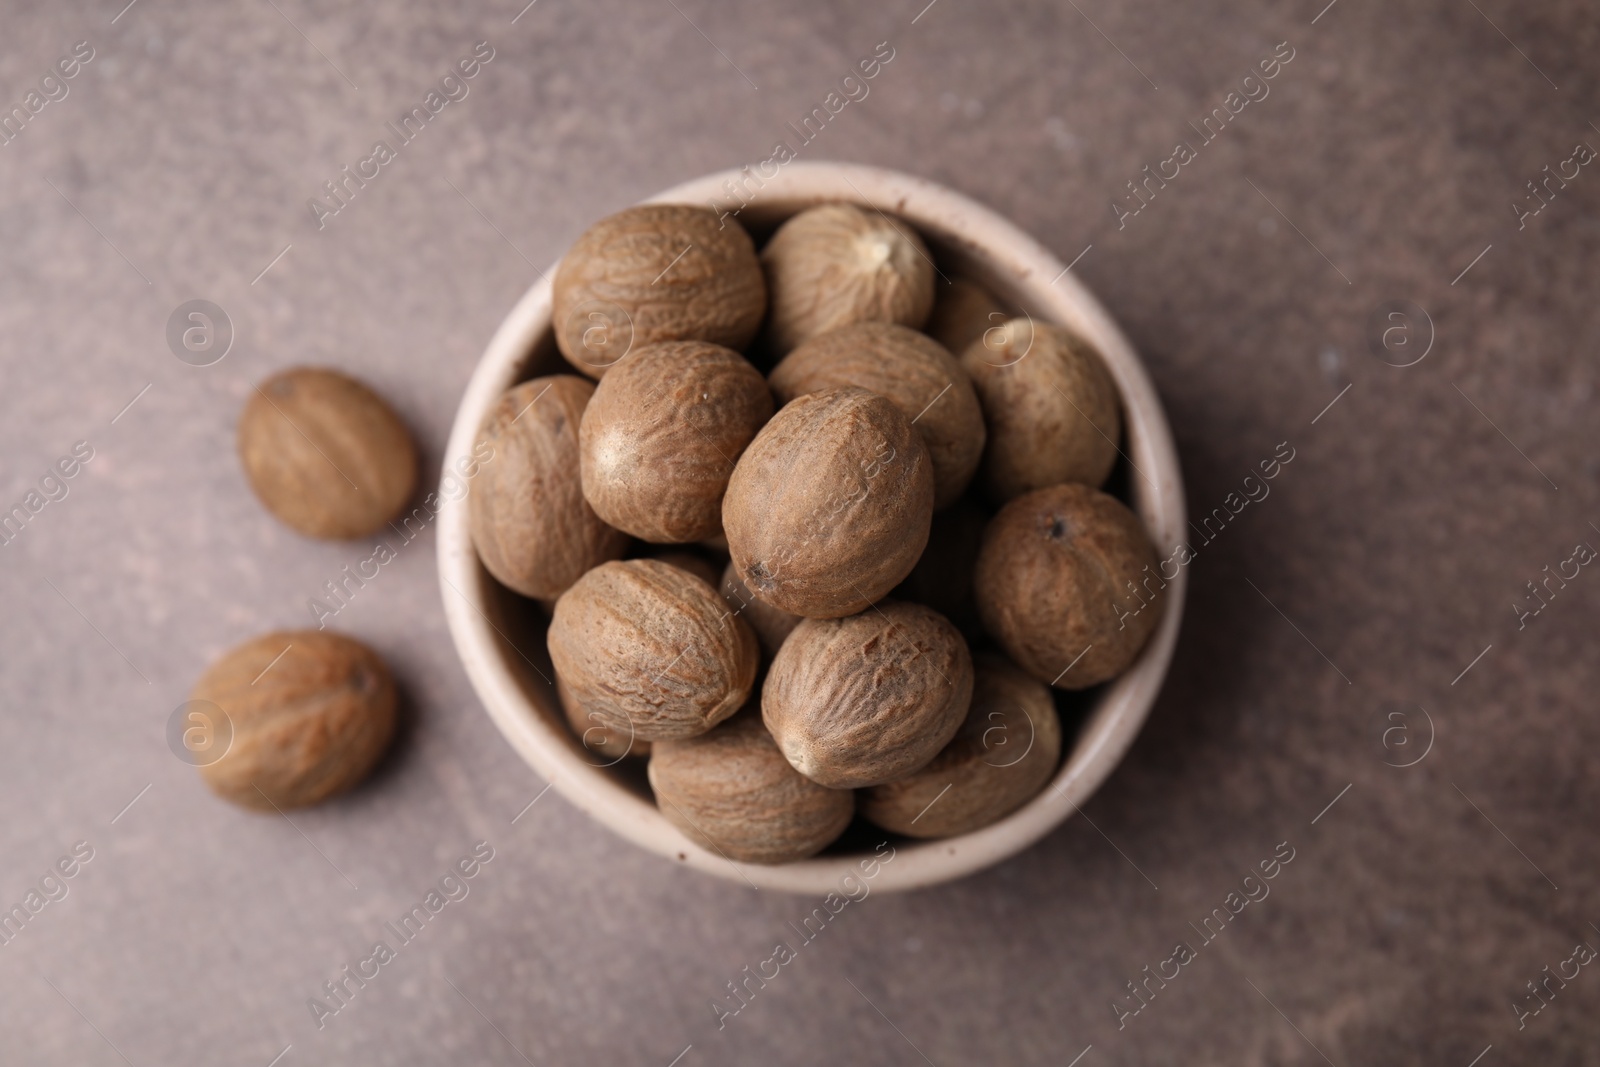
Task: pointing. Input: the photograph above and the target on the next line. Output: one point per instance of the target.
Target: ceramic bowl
(500, 636)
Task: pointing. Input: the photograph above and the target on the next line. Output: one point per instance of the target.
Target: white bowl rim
(1045, 288)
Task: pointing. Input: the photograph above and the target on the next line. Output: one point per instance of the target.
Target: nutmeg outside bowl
(500, 636)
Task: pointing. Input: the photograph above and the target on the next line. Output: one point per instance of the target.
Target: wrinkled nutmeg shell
(650, 651)
(836, 264)
(304, 726)
(662, 434)
(325, 454)
(656, 272)
(772, 625)
(532, 527)
(732, 792)
(829, 507)
(963, 312)
(1051, 408)
(867, 699)
(911, 371)
(1069, 572)
(1001, 757)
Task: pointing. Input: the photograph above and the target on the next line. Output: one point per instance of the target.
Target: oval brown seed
(1068, 583)
(656, 272)
(870, 698)
(532, 527)
(732, 792)
(835, 264)
(661, 436)
(1051, 408)
(310, 713)
(325, 454)
(651, 651)
(829, 507)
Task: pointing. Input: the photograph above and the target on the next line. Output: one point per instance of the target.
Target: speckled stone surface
(1377, 588)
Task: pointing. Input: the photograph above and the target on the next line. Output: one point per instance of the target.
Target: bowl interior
(500, 635)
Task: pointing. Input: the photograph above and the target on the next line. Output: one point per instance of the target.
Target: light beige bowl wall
(512, 681)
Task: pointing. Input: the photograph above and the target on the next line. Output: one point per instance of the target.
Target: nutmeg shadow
(1220, 641)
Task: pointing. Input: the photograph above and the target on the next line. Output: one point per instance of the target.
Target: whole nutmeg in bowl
(650, 651)
(911, 371)
(661, 436)
(1052, 409)
(835, 264)
(656, 272)
(732, 791)
(1003, 754)
(531, 525)
(326, 454)
(1067, 583)
(308, 713)
(870, 698)
(829, 507)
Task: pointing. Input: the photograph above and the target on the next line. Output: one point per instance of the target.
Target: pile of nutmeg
(898, 525)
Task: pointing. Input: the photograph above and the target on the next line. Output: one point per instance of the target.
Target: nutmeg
(532, 527)
(1050, 404)
(662, 434)
(731, 791)
(309, 713)
(829, 507)
(836, 264)
(1004, 753)
(650, 651)
(963, 312)
(911, 371)
(325, 454)
(870, 698)
(772, 625)
(1069, 585)
(656, 272)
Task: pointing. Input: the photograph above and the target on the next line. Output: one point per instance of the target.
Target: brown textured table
(1374, 595)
